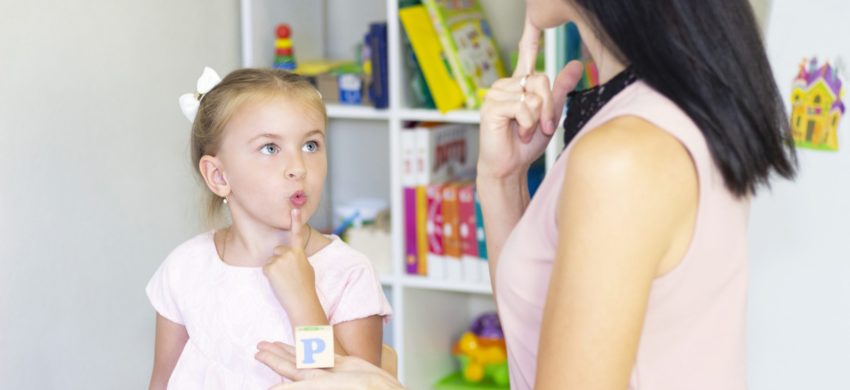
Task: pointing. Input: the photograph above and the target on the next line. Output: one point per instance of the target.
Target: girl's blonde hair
(220, 103)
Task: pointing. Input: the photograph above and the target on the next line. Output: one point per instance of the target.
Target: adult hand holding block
(314, 346)
(349, 372)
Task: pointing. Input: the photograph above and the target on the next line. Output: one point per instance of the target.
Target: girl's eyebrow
(316, 131)
(264, 135)
(277, 137)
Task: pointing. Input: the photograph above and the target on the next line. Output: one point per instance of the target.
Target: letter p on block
(314, 346)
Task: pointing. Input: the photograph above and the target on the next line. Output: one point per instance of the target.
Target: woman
(628, 268)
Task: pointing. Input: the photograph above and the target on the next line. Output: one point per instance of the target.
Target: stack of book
(455, 50)
(444, 233)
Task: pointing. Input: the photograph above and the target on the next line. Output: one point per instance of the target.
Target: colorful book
(432, 155)
(467, 230)
(408, 157)
(421, 230)
(468, 43)
(379, 85)
(414, 78)
(444, 152)
(411, 253)
(434, 228)
(482, 244)
(430, 55)
(408, 181)
(451, 233)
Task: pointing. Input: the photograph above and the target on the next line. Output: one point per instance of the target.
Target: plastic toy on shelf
(482, 355)
(284, 57)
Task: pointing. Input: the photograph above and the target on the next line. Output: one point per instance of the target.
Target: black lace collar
(583, 105)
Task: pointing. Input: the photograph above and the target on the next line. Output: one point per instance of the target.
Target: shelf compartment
(342, 111)
(433, 321)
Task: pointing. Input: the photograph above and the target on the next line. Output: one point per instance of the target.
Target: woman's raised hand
(520, 113)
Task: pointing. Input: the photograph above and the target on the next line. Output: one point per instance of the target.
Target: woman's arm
(171, 337)
(625, 216)
(518, 117)
(508, 122)
(503, 200)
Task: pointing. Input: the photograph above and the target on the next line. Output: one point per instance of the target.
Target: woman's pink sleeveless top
(693, 333)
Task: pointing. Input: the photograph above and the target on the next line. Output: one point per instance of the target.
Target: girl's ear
(213, 172)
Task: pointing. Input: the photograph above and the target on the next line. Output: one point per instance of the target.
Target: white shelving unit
(365, 157)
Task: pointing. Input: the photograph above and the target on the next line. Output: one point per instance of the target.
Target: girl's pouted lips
(298, 199)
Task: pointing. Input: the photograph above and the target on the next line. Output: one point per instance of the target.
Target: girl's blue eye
(311, 147)
(269, 149)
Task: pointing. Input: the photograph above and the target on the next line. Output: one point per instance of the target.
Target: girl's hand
(516, 107)
(290, 274)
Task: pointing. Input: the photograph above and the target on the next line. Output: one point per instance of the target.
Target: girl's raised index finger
(295, 229)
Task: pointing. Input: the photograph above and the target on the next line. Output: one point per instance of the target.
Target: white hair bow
(189, 102)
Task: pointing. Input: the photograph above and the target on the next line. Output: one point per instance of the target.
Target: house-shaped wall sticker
(816, 106)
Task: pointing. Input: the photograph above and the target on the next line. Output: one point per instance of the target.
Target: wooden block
(314, 346)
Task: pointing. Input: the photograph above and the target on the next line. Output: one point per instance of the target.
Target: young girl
(258, 143)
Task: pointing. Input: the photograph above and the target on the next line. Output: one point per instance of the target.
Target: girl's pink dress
(227, 310)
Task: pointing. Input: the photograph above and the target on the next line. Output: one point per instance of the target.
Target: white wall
(95, 181)
(799, 306)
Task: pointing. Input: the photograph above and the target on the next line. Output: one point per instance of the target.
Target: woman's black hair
(707, 56)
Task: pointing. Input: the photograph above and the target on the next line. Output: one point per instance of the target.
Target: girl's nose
(295, 172)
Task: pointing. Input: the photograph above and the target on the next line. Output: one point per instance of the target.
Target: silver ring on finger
(522, 98)
(523, 81)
